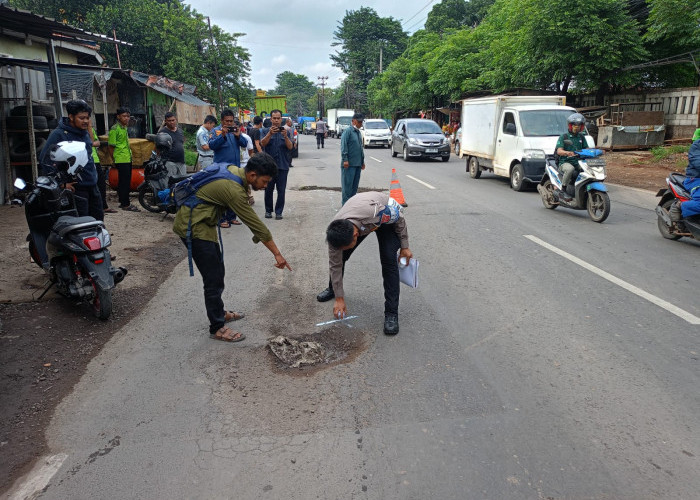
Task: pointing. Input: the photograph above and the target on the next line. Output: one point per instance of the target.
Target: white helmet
(71, 155)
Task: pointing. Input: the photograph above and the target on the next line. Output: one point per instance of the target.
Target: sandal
(225, 224)
(131, 208)
(227, 335)
(110, 211)
(236, 222)
(232, 316)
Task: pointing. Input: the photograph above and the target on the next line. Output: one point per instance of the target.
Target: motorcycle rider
(691, 207)
(567, 145)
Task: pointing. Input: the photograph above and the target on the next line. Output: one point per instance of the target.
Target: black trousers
(89, 202)
(124, 186)
(279, 182)
(102, 183)
(389, 244)
(207, 257)
(319, 139)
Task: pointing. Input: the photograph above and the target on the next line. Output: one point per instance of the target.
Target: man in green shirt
(218, 196)
(567, 145)
(121, 157)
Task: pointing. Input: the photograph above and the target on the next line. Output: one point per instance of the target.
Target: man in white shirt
(206, 155)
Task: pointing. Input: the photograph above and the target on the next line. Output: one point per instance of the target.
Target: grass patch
(190, 158)
(661, 152)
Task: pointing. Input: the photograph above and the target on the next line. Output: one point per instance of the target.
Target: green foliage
(169, 38)
(299, 90)
(190, 157)
(450, 15)
(362, 35)
(661, 152)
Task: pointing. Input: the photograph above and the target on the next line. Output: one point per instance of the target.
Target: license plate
(430, 150)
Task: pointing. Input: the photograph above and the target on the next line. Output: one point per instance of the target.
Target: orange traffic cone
(395, 189)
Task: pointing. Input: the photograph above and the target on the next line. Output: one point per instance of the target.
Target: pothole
(312, 352)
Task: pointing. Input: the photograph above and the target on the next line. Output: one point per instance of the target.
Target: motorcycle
(72, 250)
(689, 227)
(155, 190)
(589, 192)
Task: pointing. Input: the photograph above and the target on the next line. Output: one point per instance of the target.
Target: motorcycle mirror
(20, 184)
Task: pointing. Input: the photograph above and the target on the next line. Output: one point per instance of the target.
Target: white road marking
(379, 161)
(690, 318)
(421, 182)
(39, 477)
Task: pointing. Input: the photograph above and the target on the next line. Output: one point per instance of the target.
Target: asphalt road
(517, 373)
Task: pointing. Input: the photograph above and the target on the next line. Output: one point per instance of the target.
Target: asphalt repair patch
(303, 354)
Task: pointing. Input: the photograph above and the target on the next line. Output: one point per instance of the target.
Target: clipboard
(408, 274)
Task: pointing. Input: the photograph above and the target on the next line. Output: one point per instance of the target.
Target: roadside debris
(295, 353)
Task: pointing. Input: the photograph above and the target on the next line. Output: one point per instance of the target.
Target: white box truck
(510, 135)
(338, 120)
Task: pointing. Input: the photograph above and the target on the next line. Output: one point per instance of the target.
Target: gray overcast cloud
(296, 35)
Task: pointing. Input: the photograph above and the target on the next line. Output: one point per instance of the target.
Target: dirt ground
(45, 346)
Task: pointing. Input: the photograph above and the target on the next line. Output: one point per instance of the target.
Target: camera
(232, 129)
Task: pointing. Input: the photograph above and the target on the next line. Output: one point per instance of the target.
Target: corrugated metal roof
(178, 90)
(24, 21)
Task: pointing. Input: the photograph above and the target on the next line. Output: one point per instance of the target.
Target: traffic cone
(395, 189)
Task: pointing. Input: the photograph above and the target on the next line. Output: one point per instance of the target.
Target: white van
(375, 132)
(510, 135)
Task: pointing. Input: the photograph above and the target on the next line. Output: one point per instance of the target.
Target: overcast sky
(296, 35)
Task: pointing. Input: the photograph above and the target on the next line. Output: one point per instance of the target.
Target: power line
(421, 10)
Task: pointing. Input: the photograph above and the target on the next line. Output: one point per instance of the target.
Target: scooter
(588, 192)
(689, 227)
(71, 249)
(155, 190)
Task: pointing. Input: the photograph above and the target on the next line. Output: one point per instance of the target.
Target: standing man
(352, 157)
(74, 127)
(101, 171)
(321, 131)
(361, 215)
(225, 140)
(175, 158)
(255, 134)
(276, 141)
(206, 155)
(220, 195)
(120, 152)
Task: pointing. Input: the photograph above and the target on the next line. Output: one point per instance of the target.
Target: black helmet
(576, 119)
(162, 140)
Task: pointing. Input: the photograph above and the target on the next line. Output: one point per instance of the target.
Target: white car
(375, 132)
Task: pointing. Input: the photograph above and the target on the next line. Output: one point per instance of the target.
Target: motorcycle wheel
(148, 200)
(549, 188)
(102, 303)
(598, 205)
(663, 228)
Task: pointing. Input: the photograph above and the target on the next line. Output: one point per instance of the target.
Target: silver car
(419, 138)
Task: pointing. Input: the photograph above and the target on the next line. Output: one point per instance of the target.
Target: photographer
(275, 141)
(226, 140)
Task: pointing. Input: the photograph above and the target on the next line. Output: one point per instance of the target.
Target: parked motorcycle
(71, 249)
(589, 192)
(689, 227)
(154, 192)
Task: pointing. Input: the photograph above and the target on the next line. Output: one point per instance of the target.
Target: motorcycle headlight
(533, 154)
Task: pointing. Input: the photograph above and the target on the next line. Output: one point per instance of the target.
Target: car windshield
(423, 127)
(544, 123)
(345, 120)
(376, 125)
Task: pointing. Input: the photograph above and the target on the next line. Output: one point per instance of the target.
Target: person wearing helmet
(567, 145)
(690, 207)
(74, 127)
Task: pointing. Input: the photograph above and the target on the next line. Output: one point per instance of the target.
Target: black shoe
(268, 215)
(278, 217)
(675, 212)
(391, 324)
(326, 295)
(564, 196)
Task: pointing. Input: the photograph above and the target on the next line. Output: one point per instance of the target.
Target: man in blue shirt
(691, 183)
(275, 141)
(226, 140)
(74, 127)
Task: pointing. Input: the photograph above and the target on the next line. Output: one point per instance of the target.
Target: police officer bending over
(361, 215)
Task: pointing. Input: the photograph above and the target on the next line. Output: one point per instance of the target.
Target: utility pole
(216, 68)
(380, 58)
(322, 83)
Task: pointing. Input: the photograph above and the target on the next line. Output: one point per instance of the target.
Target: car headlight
(412, 141)
(533, 154)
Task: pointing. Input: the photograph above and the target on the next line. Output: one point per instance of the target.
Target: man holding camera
(226, 140)
(275, 141)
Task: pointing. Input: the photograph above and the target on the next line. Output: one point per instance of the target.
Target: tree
(450, 15)
(298, 89)
(365, 41)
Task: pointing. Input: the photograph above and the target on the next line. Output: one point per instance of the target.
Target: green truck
(265, 104)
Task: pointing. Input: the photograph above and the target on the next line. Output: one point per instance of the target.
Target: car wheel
(445, 158)
(517, 178)
(393, 153)
(405, 154)
(473, 165)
